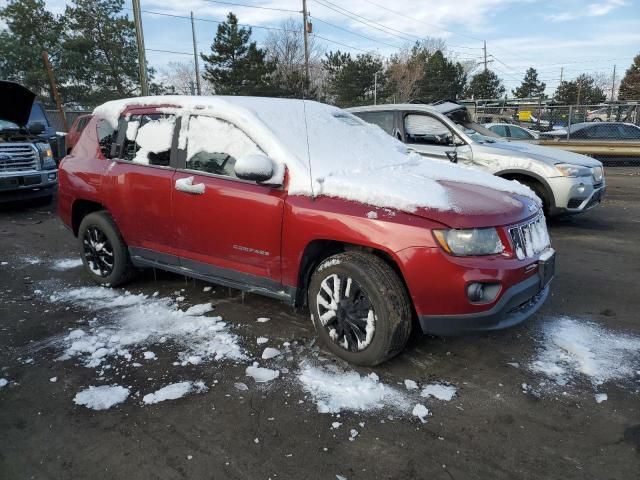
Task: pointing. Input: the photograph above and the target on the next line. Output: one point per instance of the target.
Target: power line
(166, 51)
(338, 43)
(353, 33)
(252, 6)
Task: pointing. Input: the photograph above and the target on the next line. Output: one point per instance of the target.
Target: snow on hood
(549, 155)
(328, 151)
(16, 103)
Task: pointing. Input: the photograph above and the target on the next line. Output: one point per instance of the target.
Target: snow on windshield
(328, 151)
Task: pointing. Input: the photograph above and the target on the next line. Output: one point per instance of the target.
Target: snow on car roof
(328, 151)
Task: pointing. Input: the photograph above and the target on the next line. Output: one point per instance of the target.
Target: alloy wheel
(98, 251)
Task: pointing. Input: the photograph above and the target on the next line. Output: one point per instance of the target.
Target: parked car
(75, 130)
(598, 115)
(566, 182)
(308, 204)
(512, 132)
(27, 164)
(596, 131)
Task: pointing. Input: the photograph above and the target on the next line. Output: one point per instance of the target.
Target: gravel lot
(508, 419)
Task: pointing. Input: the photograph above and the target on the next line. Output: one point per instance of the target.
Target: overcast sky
(581, 36)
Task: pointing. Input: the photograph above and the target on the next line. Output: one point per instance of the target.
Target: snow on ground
(439, 391)
(67, 264)
(335, 390)
(102, 397)
(3, 382)
(174, 391)
(260, 374)
(124, 321)
(421, 412)
(269, 353)
(601, 397)
(573, 349)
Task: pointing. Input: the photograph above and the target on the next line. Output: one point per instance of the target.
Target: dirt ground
(493, 429)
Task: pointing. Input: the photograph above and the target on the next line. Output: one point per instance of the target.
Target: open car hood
(16, 102)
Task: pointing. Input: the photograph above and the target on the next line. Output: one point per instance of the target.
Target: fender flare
(534, 176)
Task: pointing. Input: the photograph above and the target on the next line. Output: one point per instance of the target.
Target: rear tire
(104, 254)
(372, 314)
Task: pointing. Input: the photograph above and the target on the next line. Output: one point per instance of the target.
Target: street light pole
(142, 62)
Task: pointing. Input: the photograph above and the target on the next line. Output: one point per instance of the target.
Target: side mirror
(452, 155)
(256, 168)
(36, 128)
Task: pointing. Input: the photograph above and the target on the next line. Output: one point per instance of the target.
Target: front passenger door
(427, 135)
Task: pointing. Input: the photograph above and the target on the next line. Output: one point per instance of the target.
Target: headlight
(597, 173)
(46, 156)
(474, 241)
(568, 170)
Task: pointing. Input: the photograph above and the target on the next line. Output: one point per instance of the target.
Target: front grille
(530, 238)
(16, 157)
(575, 202)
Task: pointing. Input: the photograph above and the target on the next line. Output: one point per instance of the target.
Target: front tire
(104, 254)
(360, 308)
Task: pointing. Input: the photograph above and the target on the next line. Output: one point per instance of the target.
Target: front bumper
(575, 195)
(515, 306)
(31, 184)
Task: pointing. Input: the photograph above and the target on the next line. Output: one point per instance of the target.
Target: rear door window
(148, 139)
(520, 133)
(499, 130)
(382, 119)
(213, 145)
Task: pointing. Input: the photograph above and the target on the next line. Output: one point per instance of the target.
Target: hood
(16, 103)
(478, 206)
(548, 155)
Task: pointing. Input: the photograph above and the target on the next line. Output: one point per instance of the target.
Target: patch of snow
(260, 374)
(149, 355)
(241, 386)
(601, 397)
(335, 425)
(263, 320)
(31, 260)
(410, 384)
(262, 340)
(174, 391)
(329, 263)
(335, 390)
(3, 382)
(154, 136)
(270, 353)
(124, 320)
(207, 289)
(439, 391)
(572, 348)
(421, 412)
(372, 215)
(353, 434)
(53, 379)
(4, 263)
(67, 264)
(102, 397)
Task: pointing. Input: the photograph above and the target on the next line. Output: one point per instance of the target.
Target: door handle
(186, 185)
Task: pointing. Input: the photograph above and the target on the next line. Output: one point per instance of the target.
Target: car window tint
(425, 129)
(499, 130)
(520, 133)
(213, 145)
(627, 132)
(107, 136)
(37, 115)
(148, 139)
(382, 119)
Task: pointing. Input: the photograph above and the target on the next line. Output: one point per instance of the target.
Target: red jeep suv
(305, 203)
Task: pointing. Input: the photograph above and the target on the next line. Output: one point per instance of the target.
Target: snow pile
(260, 374)
(154, 136)
(126, 320)
(334, 390)
(439, 391)
(326, 151)
(101, 398)
(174, 391)
(572, 349)
(269, 353)
(421, 412)
(67, 264)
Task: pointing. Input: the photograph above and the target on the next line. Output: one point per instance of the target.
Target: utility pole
(375, 88)
(195, 55)
(561, 72)
(142, 62)
(613, 83)
(306, 43)
(54, 89)
(485, 55)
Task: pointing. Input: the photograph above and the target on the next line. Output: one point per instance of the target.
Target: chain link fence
(608, 132)
(55, 118)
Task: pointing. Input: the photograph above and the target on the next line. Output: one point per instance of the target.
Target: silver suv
(567, 182)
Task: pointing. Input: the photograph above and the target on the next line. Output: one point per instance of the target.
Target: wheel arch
(318, 250)
(527, 176)
(80, 209)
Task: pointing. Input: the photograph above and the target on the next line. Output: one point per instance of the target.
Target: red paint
(75, 131)
(260, 230)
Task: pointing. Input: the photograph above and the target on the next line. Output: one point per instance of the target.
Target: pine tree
(100, 52)
(30, 30)
(352, 81)
(582, 91)
(237, 66)
(442, 79)
(630, 85)
(485, 84)
(531, 87)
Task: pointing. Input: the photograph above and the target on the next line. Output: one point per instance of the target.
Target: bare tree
(181, 77)
(404, 73)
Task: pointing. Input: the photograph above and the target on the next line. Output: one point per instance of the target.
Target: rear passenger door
(227, 228)
(139, 181)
